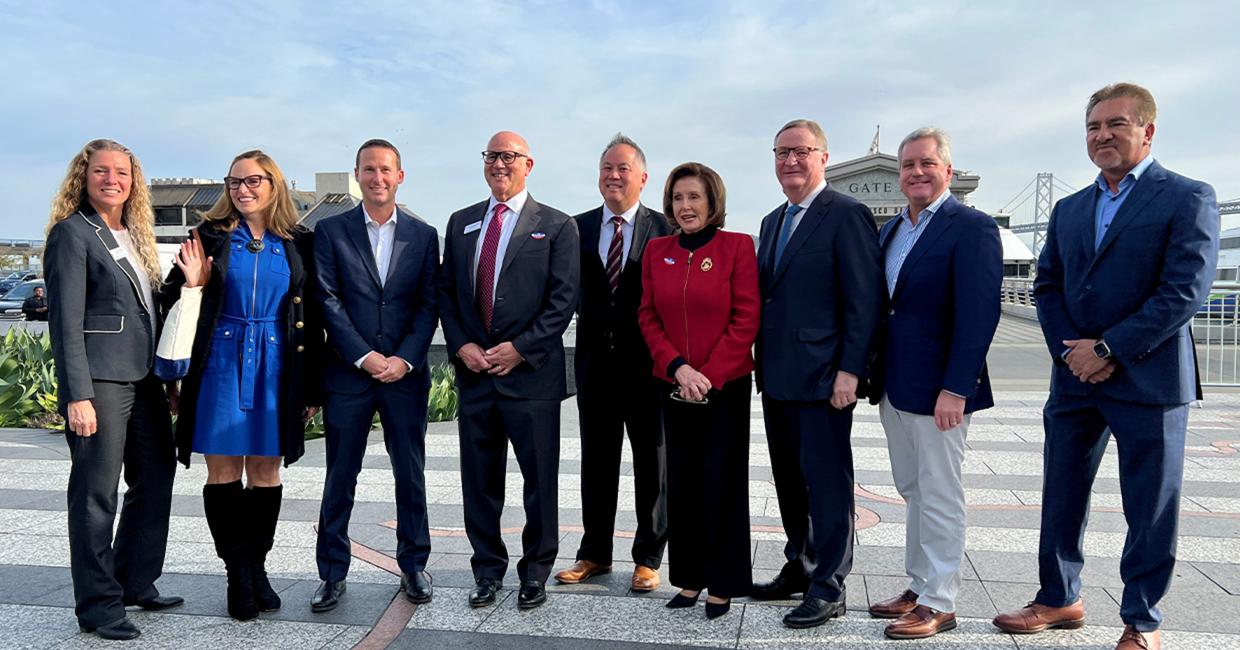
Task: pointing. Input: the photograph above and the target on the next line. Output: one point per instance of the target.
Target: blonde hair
(280, 215)
(136, 215)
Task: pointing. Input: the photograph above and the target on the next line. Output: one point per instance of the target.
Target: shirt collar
(1130, 178)
(369, 221)
(515, 204)
(628, 215)
(932, 208)
(809, 198)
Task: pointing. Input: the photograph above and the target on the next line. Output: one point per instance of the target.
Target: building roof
(328, 206)
(1014, 250)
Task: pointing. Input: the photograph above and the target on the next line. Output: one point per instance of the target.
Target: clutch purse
(176, 343)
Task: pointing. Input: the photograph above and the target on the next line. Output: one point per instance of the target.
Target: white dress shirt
(805, 203)
(382, 239)
(608, 229)
(515, 204)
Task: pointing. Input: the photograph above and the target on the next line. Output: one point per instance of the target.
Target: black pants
(488, 421)
(134, 432)
(610, 402)
(708, 491)
(346, 422)
(811, 460)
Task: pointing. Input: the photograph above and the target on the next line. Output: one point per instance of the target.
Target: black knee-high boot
(222, 503)
(264, 513)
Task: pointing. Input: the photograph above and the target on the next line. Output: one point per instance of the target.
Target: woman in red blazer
(699, 315)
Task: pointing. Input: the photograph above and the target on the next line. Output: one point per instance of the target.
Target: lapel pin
(669, 261)
(707, 264)
(538, 235)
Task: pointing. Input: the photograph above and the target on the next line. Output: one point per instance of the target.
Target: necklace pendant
(255, 245)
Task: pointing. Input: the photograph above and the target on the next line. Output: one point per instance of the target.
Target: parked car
(15, 278)
(11, 303)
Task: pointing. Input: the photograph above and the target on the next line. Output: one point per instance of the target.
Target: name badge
(118, 253)
(473, 227)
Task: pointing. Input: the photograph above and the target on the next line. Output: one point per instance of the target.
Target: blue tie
(785, 231)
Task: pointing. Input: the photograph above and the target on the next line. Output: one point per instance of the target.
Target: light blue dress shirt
(906, 237)
(1108, 203)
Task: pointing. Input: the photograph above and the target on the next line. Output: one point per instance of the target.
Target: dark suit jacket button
(301, 348)
(299, 324)
(1089, 287)
(767, 301)
(891, 312)
(296, 300)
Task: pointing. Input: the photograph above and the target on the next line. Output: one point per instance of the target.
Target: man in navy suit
(378, 273)
(822, 294)
(944, 268)
(1127, 263)
(507, 293)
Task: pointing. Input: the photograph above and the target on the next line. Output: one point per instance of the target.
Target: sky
(187, 86)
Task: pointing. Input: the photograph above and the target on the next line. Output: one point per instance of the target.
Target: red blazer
(701, 305)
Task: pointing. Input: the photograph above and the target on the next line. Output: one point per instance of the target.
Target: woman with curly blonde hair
(253, 371)
(101, 269)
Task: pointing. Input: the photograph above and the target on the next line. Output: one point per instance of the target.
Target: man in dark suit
(1127, 263)
(820, 278)
(615, 388)
(944, 269)
(378, 275)
(507, 293)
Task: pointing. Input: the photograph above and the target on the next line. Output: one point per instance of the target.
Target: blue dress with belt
(239, 401)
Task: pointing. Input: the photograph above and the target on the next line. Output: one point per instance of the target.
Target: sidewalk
(1003, 484)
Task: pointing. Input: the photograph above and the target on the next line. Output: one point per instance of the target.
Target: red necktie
(614, 252)
(485, 289)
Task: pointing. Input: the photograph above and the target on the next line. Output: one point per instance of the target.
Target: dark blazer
(701, 306)
(396, 318)
(98, 319)
(1138, 291)
(606, 322)
(534, 299)
(821, 306)
(303, 354)
(940, 322)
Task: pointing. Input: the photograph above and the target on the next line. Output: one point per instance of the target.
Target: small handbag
(176, 343)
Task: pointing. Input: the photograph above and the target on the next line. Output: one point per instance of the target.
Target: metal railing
(1018, 291)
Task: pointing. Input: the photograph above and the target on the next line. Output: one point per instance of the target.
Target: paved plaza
(1002, 467)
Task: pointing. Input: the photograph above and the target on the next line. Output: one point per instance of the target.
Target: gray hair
(809, 125)
(940, 138)
(620, 139)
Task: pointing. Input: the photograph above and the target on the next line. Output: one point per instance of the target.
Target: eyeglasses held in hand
(509, 157)
(677, 397)
(252, 181)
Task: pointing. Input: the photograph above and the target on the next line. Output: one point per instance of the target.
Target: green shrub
(27, 380)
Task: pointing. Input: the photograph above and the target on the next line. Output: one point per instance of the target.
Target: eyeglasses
(509, 157)
(782, 153)
(252, 181)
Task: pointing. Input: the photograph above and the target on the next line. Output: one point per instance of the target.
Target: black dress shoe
(532, 594)
(417, 587)
(327, 596)
(681, 601)
(118, 630)
(791, 580)
(157, 603)
(715, 610)
(484, 593)
(813, 612)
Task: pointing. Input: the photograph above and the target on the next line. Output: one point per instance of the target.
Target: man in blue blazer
(944, 268)
(822, 294)
(378, 273)
(1127, 263)
(507, 293)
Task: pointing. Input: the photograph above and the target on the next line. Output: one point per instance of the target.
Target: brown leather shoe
(1036, 617)
(920, 623)
(581, 570)
(1131, 639)
(895, 607)
(645, 578)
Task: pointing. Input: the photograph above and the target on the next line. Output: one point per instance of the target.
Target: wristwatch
(1102, 350)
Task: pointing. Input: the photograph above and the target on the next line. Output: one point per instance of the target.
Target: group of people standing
(675, 314)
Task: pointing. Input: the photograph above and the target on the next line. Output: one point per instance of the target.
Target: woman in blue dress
(253, 379)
